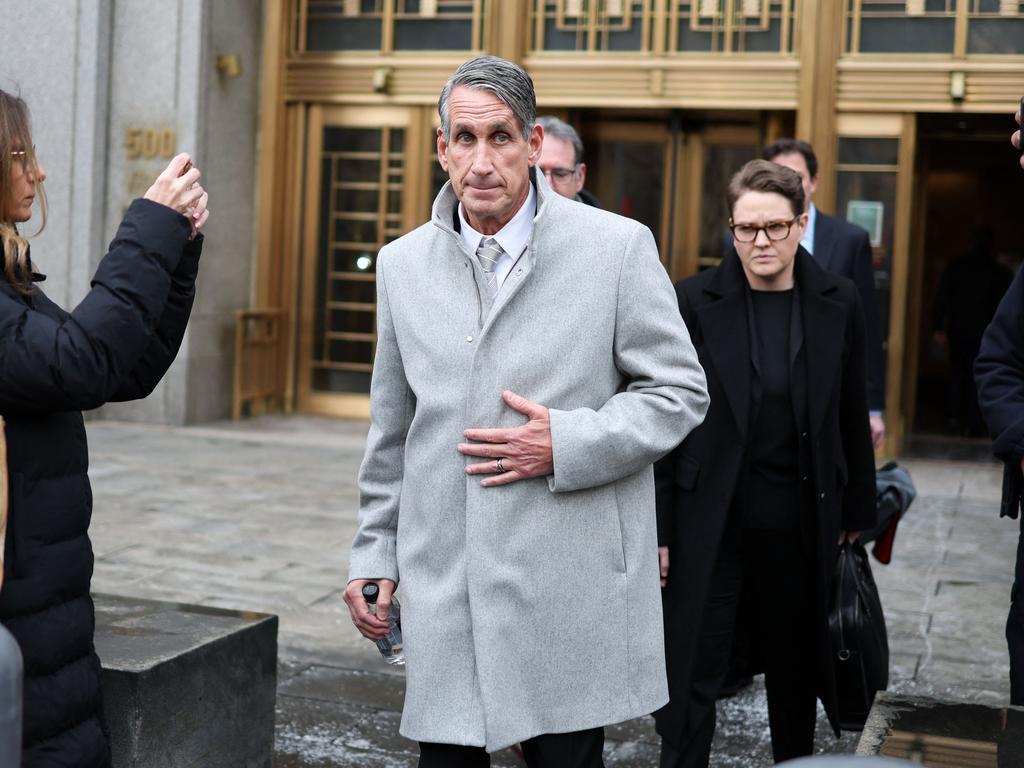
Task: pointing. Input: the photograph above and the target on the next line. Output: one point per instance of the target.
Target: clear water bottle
(390, 646)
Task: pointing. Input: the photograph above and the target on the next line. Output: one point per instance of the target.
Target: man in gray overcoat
(531, 365)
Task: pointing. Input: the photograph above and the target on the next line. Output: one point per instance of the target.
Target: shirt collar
(513, 237)
(807, 241)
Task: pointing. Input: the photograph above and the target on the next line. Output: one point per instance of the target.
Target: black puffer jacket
(116, 345)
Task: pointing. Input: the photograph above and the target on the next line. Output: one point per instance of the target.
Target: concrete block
(187, 685)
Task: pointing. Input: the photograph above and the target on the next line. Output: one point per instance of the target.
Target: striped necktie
(488, 253)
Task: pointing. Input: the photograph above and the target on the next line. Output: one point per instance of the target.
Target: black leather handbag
(859, 643)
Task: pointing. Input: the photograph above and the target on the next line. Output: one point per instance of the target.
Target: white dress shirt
(807, 241)
(513, 237)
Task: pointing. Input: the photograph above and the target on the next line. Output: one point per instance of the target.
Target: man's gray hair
(507, 81)
(559, 129)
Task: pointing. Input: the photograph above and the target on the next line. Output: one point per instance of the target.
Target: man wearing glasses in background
(561, 160)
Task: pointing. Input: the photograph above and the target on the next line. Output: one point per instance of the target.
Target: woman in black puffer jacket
(116, 345)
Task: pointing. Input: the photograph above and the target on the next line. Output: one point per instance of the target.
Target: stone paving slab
(259, 514)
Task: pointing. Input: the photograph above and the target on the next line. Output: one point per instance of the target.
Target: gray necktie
(488, 253)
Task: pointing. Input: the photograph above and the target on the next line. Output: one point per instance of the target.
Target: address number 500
(150, 142)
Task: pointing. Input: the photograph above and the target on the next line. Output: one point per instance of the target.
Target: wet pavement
(259, 515)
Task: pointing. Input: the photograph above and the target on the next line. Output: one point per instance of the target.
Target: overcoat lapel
(723, 323)
(823, 330)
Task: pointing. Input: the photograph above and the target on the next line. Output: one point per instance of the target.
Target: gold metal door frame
(626, 130)
(902, 347)
(416, 122)
(694, 149)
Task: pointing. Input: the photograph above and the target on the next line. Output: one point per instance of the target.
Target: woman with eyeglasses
(115, 345)
(753, 505)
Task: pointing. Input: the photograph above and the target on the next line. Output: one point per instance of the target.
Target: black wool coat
(116, 345)
(697, 482)
(999, 374)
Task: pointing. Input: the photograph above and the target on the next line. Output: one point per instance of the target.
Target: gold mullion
(728, 25)
(307, 306)
(673, 25)
(592, 25)
(352, 277)
(646, 19)
(855, 23)
(539, 17)
(960, 30)
(328, 257)
(659, 22)
(844, 29)
(476, 26)
(351, 306)
(387, 21)
(334, 365)
(784, 20)
(348, 336)
(303, 25)
(382, 195)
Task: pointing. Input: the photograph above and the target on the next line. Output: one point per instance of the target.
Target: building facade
(907, 103)
(314, 123)
(117, 88)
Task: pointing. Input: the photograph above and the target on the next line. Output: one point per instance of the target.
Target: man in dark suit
(561, 160)
(999, 374)
(843, 249)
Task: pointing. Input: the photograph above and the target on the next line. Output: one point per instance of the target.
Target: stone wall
(114, 88)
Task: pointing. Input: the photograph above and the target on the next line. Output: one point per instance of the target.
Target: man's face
(558, 163)
(487, 158)
(796, 162)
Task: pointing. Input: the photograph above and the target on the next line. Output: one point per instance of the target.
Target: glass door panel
(357, 184)
(630, 168)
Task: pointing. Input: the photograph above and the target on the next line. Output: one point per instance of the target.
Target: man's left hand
(877, 431)
(513, 454)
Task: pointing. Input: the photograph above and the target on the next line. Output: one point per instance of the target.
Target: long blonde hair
(15, 136)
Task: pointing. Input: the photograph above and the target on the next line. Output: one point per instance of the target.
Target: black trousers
(577, 749)
(1015, 625)
(770, 571)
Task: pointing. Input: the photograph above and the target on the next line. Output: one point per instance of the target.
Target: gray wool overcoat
(532, 607)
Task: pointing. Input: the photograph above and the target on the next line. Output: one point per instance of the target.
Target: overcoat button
(469, 338)
(823, 494)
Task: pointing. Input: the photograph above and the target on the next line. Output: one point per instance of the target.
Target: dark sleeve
(999, 374)
(664, 482)
(166, 339)
(78, 361)
(859, 508)
(864, 276)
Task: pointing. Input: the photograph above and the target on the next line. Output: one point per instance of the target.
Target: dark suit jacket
(999, 374)
(697, 482)
(844, 249)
